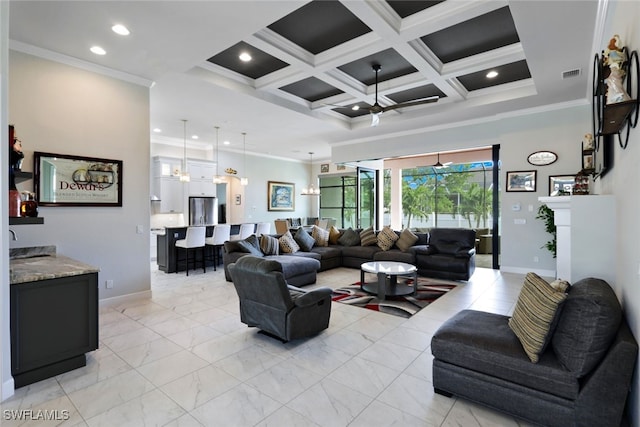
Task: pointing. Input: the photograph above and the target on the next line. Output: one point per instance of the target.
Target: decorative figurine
(15, 161)
(614, 57)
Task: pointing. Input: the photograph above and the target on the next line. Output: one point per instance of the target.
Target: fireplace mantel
(585, 236)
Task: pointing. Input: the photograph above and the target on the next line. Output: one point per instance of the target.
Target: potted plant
(546, 214)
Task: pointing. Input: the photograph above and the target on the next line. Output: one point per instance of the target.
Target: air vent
(571, 73)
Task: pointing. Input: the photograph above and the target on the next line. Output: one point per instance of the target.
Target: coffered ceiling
(312, 61)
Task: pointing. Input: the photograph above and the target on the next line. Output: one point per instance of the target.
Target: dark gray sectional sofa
(581, 379)
(447, 253)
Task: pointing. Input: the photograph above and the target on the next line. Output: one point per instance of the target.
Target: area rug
(429, 290)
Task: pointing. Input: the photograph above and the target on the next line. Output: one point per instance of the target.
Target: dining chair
(282, 226)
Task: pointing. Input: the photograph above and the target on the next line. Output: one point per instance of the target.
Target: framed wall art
(521, 181)
(281, 196)
(66, 180)
(561, 185)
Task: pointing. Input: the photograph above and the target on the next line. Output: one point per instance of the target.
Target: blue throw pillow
(304, 239)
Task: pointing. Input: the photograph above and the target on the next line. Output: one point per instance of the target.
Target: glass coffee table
(388, 273)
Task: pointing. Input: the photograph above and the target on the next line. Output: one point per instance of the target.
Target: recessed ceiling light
(157, 130)
(245, 57)
(492, 74)
(194, 137)
(98, 50)
(120, 29)
(226, 143)
(355, 107)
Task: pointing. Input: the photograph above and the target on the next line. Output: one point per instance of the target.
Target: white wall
(61, 109)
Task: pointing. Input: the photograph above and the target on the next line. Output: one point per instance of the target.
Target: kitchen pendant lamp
(217, 179)
(244, 180)
(311, 190)
(184, 175)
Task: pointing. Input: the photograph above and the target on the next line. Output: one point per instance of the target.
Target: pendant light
(244, 180)
(184, 175)
(217, 179)
(311, 190)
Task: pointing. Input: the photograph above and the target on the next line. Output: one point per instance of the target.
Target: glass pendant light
(244, 180)
(217, 179)
(311, 190)
(184, 175)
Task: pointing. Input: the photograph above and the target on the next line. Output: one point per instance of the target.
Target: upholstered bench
(581, 378)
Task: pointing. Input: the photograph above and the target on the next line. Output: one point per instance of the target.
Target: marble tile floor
(182, 358)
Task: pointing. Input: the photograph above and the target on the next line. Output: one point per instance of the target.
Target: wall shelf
(26, 220)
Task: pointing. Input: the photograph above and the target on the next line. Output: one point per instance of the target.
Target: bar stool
(246, 230)
(221, 234)
(194, 239)
(263, 228)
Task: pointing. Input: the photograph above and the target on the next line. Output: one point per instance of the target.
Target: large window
(458, 196)
(338, 200)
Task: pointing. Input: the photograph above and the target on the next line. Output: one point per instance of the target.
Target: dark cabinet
(54, 322)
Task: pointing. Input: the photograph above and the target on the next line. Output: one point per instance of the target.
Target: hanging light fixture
(184, 175)
(311, 190)
(244, 180)
(217, 179)
(438, 164)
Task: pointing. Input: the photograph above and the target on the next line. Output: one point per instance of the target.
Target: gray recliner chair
(278, 309)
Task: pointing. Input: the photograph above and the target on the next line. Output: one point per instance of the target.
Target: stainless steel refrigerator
(203, 210)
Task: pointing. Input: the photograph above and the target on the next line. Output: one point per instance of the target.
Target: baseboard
(108, 302)
(520, 270)
(8, 389)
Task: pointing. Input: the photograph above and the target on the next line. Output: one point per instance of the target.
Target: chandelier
(311, 190)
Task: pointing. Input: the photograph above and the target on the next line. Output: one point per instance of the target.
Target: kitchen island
(54, 313)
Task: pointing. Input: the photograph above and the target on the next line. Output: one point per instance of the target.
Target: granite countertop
(41, 263)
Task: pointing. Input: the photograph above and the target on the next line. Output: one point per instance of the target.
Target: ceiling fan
(439, 165)
(376, 109)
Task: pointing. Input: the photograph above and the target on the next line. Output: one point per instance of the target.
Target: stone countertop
(42, 263)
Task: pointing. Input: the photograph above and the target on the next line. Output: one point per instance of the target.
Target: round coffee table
(388, 273)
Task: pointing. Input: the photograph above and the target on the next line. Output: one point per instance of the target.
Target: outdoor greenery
(426, 190)
(545, 213)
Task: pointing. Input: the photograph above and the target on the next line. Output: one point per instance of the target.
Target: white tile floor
(183, 358)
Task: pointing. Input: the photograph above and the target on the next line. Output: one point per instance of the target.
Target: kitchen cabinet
(201, 183)
(169, 190)
(54, 322)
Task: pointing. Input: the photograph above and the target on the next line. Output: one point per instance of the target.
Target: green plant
(546, 214)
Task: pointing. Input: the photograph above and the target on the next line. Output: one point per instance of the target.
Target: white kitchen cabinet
(201, 183)
(169, 190)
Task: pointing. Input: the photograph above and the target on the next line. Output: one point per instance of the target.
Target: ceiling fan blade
(411, 104)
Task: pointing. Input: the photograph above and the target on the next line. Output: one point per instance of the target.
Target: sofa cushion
(537, 307)
(406, 240)
(304, 240)
(368, 237)
(269, 245)
(395, 255)
(349, 238)
(250, 245)
(483, 342)
(288, 244)
(320, 235)
(590, 319)
(334, 235)
(386, 238)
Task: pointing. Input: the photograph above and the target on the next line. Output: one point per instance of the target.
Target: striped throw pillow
(269, 245)
(288, 244)
(368, 237)
(386, 238)
(320, 235)
(537, 307)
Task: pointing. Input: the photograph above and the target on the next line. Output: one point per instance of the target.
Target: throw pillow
(536, 309)
(269, 245)
(368, 237)
(304, 240)
(406, 240)
(334, 235)
(288, 244)
(349, 238)
(320, 235)
(251, 245)
(386, 238)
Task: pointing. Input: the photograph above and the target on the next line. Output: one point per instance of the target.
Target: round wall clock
(542, 158)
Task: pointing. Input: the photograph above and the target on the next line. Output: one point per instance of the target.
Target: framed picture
(324, 168)
(561, 185)
(588, 161)
(521, 181)
(281, 196)
(65, 180)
